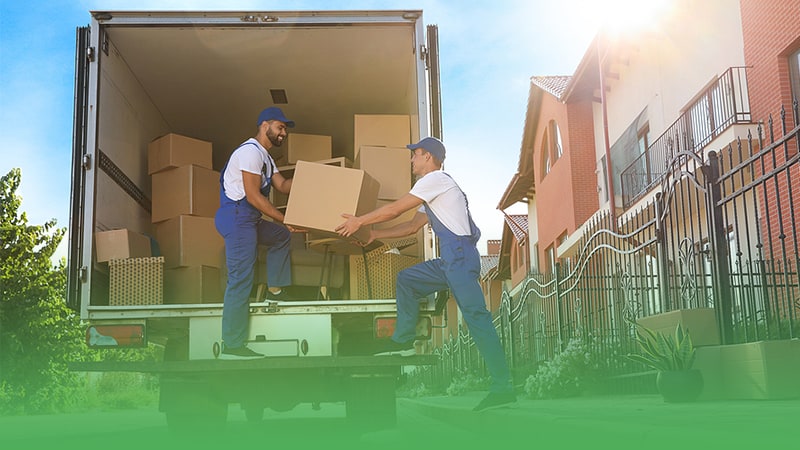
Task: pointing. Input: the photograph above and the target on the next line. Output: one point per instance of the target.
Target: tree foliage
(39, 334)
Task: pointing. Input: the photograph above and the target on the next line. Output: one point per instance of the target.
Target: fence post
(559, 308)
(661, 254)
(719, 242)
(510, 324)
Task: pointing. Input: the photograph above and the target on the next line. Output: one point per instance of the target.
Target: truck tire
(191, 405)
(253, 413)
(371, 401)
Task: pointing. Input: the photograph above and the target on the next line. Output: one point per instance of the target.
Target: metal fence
(720, 234)
(723, 104)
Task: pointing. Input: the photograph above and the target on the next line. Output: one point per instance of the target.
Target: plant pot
(680, 386)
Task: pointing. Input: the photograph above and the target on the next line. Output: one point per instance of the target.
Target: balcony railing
(723, 104)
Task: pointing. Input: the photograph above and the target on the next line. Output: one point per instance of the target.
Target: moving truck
(161, 100)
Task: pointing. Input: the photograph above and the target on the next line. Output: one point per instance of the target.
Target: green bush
(568, 374)
(466, 382)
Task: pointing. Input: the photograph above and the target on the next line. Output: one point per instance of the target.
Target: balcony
(723, 104)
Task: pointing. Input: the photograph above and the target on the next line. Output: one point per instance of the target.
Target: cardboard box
(136, 281)
(701, 323)
(190, 241)
(119, 244)
(381, 269)
(194, 284)
(191, 190)
(173, 150)
(391, 166)
(322, 193)
(306, 147)
(761, 370)
(279, 199)
(382, 130)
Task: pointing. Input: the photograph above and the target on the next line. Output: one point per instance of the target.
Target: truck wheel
(371, 402)
(253, 413)
(191, 406)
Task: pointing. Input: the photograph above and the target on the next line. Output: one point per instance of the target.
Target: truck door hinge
(423, 54)
(82, 273)
(87, 162)
(90, 54)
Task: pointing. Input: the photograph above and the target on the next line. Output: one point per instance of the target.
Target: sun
(630, 16)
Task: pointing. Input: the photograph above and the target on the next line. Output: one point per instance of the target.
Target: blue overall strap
(266, 171)
(475, 232)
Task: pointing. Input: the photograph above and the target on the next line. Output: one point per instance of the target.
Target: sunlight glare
(630, 16)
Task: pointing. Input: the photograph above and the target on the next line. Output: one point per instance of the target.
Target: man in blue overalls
(440, 201)
(244, 197)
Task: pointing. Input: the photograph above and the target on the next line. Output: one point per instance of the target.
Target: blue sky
(488, 52)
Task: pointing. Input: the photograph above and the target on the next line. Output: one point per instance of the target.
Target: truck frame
(141, 74)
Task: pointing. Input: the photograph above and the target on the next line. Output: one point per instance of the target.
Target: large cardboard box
(761, 370)
(173, 150)
(701, 323)
(190, 241)
(322, 193)
(306, 147)
(194, 284)
(136, 281)
(383, 130)
(119, 244)
(191, 189)
(279, 199)
(391, 166)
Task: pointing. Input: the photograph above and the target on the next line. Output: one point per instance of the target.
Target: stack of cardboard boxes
(380, 150)
(135, 277)
(185, 200)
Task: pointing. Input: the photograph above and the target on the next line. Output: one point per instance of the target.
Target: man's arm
(281, 183)
(383, 214)
(401, 229)
(252, 191)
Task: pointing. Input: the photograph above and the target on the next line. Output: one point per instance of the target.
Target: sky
(488, 53)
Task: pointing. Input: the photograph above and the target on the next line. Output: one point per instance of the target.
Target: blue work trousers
(243, 229)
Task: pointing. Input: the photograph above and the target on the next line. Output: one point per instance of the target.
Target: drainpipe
(609, 166)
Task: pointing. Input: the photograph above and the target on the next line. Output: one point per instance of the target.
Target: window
(545, 154)
(557, 145)
(794, 74)
(550, 255)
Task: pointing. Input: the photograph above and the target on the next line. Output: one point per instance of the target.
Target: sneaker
(497, 400)
(390, 347)
(282, 296)
(243, 352)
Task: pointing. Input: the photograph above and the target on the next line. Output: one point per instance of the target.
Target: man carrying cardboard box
(244, 197)
(440, 201)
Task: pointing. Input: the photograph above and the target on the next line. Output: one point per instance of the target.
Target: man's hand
(295, 230)
(350, 226)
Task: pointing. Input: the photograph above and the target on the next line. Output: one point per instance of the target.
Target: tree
(39, 334)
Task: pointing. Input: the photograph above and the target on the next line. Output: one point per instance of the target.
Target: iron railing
(720, 234)
(721, 105)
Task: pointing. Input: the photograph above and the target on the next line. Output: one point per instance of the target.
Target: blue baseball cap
(432, 145)
(274, 113)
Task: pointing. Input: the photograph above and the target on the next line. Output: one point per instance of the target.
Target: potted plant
(672, 355)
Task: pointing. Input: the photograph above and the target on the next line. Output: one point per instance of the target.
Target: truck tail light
(385, 326)
(116, 336)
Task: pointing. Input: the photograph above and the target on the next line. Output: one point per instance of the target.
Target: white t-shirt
(250, 157)
(445, 199)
